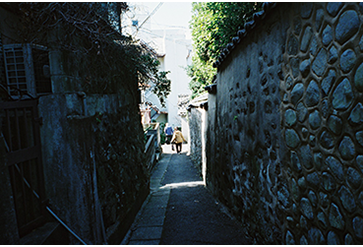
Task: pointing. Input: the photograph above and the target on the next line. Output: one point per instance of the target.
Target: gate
(21, 132)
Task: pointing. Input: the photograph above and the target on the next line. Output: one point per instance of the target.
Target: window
(27, 70)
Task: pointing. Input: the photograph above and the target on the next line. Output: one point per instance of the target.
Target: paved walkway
(180, 210)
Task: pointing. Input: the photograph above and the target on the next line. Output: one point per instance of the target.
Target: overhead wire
(147, 18)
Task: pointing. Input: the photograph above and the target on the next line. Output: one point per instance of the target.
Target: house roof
(241, 34)
(199, 102)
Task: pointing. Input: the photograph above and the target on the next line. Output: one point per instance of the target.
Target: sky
(168, 14)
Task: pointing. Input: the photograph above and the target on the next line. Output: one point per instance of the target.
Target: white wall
(175, 43)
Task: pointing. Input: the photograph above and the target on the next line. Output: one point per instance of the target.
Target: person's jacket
(178, 137)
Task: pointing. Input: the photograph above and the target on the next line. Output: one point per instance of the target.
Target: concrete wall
(198, 124)
(284, 141)
(100, 171)
(195, 131)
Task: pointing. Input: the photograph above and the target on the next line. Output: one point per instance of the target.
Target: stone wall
(285, 149)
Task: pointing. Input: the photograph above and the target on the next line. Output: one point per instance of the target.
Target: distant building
(176, 47)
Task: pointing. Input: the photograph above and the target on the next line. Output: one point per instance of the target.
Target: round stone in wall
(324, 200)
(359, 137)
(327, 35)
(306, 208)
(348, 240)
(301, 112)
(356, 116)
(335, 217)
(297, 92)
(335, 167)
(295, 162)
(303, 222)
(333, 55)
(303, 241)
(312, 140)
(305, 41)
(326, 140)
(313, 198)
(360, 199)
(306, 10)
(318, 161)
(348, 25)
(313, 179)
(302, 183)
(286, 99)
(342, 96)
(333, 8)
(312, 97)
(305, 67)
(294, 190)
(289, 238)
(315, 236)
(358, 226)
(288, 82)
(358, 78)
(347, 199)
(297, 26)
(333, 238)
(314, 120)
(304, 132)
(335, 124)
(294, 63)
(314, 46)
(347, 60)
(306, 156)
(292, 47)
(283, 196)
(361, 43)
(292, 138)
(322, 219)
(328, 182)
(320, 62)
(325, 109)
(359, 161)
(354, 179)
(294, 208)
(346, 148)
(319, 18)
(328, 81)
(290, 117)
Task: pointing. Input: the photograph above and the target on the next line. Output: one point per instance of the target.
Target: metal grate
(27, 70)
(21, 133)
(15, 70)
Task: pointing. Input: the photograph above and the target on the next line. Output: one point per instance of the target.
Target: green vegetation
(213, 25)
(89, 36)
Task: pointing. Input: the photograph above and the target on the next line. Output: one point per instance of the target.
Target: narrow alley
(180, 210)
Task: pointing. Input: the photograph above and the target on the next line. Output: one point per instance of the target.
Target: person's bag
(172, 147)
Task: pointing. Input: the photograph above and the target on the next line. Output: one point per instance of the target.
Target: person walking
(168, 133)
(178, 139)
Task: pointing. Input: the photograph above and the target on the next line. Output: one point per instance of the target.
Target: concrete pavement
(180, 210)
